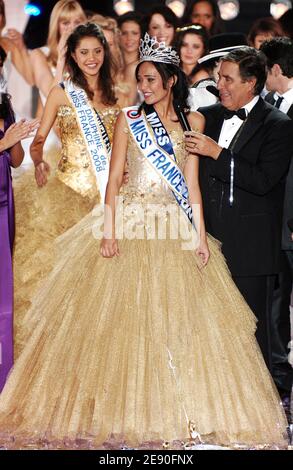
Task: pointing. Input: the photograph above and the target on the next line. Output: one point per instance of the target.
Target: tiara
(196, 27)
(153, 51)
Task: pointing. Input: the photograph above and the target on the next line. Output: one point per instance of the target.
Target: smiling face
(159, 28)
(150, 83)
(89, 55)
(192, 49)
(130, 36)
(235, 92)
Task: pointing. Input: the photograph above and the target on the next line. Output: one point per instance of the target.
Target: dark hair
(3, 56)
(2, 12)
(105, 81)
(166, 12)
(252, 64)
(197, 30)
(286, 22)
(217, 26)
(180, 88)
(264, 25)
(6, 110)
(129, 16)
(279, 51)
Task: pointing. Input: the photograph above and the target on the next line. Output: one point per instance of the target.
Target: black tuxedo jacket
(287, 243)
(250, 229)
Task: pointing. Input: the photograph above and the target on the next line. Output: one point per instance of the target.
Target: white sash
(93, 132)
(158, 158)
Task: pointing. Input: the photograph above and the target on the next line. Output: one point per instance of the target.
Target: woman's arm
(109, 246)
(56, 98)
(17, 155)
(191, 173)
(42, 74)
(14, 134)
(20, 59)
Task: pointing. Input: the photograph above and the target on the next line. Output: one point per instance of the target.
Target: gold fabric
(42, 214)
(75, 167)
(140, 349)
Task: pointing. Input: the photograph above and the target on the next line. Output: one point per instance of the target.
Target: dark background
(36, 31)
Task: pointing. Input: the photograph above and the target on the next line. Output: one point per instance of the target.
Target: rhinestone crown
(153, 51)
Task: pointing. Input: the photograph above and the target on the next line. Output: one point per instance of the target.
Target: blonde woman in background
(48, 62)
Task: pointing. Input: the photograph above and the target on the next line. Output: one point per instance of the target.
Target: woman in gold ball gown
(66, 194)
(149, 342)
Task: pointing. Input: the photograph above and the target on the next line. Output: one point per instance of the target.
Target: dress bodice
(145, 185)
(75, 168)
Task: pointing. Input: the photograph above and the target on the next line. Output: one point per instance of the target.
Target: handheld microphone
(182, 118)
(212, 89)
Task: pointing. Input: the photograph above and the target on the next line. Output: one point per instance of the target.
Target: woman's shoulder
(58, 96)
(196, 120)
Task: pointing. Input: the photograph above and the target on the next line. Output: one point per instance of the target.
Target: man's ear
(276, 70)
(251, 82)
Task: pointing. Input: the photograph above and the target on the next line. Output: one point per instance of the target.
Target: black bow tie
(241, 113)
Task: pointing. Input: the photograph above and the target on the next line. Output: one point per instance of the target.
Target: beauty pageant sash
(153, 141)
(94, 134)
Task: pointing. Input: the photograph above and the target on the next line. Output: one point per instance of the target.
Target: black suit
(281, 328)
(250, 229)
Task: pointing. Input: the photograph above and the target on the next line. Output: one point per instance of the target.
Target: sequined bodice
(145, 185)
(75, 168)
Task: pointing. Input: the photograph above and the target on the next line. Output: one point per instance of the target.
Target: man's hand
(199, 144)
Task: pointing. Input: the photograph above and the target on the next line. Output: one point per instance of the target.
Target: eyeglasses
(197, 27)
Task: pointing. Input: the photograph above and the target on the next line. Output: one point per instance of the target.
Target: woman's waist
(80, 179)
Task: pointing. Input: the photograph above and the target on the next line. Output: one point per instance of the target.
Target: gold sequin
(75, 168)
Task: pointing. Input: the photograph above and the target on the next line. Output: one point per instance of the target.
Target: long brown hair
(2, 12)
(105, 81)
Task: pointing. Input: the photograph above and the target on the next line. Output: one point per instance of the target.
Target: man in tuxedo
(244, 158)
(279, 55)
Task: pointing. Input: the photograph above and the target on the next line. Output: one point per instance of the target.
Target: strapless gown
(42, 214)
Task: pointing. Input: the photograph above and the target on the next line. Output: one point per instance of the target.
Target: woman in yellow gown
(156, 343)
(70, 192)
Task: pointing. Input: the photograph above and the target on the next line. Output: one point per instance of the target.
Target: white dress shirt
(287, 101)
(231, 126)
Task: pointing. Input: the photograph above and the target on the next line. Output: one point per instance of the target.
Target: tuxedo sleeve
(270, 166)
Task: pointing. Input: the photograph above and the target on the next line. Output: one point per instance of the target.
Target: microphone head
(212, 89)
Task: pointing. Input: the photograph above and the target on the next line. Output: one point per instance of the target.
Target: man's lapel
(214, 125)
(290, 112)
(252, 125)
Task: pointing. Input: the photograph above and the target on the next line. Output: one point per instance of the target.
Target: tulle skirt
(138, 350)
(42, 214)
